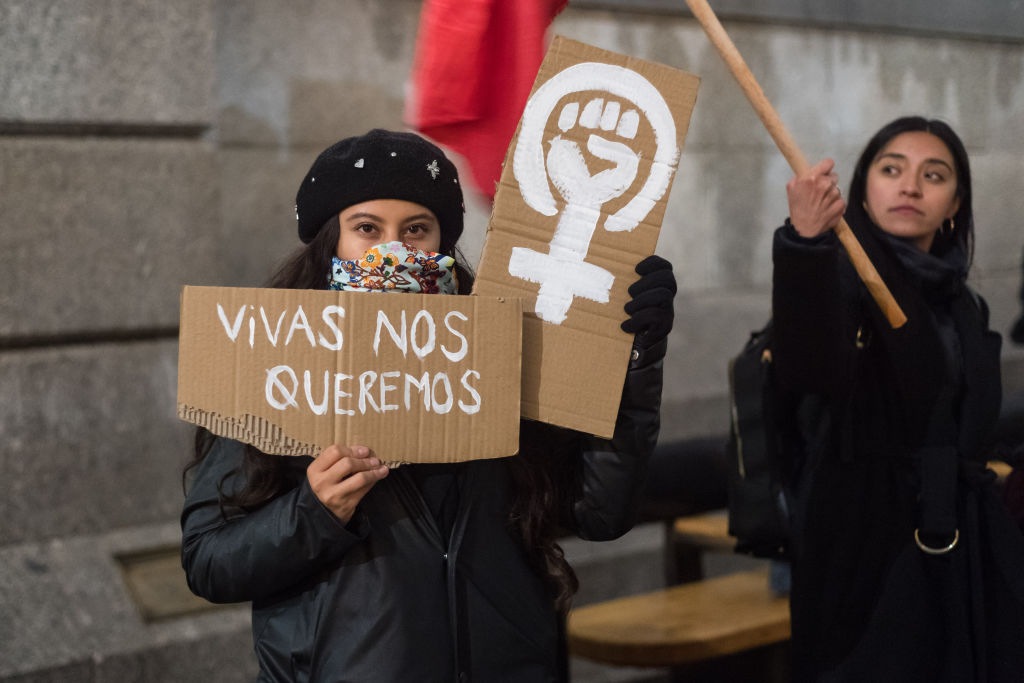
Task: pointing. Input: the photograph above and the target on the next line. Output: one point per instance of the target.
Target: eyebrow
(903, 157)
(366, 214)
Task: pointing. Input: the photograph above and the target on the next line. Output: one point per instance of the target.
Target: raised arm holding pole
(784, 141)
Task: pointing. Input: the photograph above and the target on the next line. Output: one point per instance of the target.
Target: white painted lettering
(428, 346)
(385, 387)
(272, 337)
(455, 356)
(441, 408)
(366, 382)
(327, 314)
(400, 339)
(275, 387)
(422, 385)
(300, 322)
(340, 394)
(231, 330)
(307, 381)
(470, 408)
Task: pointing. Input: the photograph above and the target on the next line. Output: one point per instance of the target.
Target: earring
(952, 227)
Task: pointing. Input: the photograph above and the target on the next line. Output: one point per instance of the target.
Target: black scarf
(939, 276)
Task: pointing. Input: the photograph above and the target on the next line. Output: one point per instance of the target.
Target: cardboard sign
(417, 378)
(580, 203)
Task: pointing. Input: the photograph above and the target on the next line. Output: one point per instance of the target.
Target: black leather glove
(650, 310)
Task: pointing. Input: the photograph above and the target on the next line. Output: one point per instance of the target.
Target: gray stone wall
(110, 201)
(145, 145)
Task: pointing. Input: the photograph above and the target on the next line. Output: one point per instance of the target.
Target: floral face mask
(395, 267)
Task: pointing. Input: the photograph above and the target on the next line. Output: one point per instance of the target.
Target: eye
(417, 229)
(889, 169)
(935, 176)
(365, 228)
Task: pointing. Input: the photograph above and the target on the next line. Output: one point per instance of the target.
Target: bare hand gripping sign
(417, 378)
(579, 205)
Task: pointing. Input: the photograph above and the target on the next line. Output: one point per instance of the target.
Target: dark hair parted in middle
(963, 235)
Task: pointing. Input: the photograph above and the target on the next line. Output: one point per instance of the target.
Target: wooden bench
(686, 623)
(688, 538)
(709, 531)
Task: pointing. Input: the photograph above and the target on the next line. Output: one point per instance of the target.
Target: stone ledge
(69, 616)
(72, 617)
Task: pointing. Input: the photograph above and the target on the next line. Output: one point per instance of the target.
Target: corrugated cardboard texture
(293, 371)
(572, 218)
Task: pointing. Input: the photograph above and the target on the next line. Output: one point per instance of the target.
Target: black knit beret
(380, 165)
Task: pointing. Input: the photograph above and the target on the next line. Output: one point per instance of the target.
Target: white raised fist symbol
(567, 167)
(562, 272)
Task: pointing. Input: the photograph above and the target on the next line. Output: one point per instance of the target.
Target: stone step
(70, 614)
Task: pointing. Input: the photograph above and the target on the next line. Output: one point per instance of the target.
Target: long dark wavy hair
(542, 482)
(963, 234)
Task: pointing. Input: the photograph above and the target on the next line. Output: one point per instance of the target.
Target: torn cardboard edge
(256, 431)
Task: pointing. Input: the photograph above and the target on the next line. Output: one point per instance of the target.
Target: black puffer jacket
(388, 598)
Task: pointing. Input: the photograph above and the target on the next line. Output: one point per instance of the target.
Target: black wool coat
(389, 597)
(897, 438)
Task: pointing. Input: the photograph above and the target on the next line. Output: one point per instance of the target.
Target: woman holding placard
(906, 566)
(357, 571)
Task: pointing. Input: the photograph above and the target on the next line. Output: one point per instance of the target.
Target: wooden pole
(865, 269)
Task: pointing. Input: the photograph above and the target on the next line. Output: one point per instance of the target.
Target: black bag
(762, 427)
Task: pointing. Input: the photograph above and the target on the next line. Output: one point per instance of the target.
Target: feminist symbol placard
(581, 200)
(562, 272)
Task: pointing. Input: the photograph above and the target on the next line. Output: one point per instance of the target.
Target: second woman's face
(911, 187)
(377, 221)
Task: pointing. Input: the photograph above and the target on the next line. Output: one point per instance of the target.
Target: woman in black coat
(906, 566)
(449, 572)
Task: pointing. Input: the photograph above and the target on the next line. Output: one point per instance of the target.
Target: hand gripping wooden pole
(720, 39)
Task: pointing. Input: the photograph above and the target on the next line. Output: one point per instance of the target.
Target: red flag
(475, 64)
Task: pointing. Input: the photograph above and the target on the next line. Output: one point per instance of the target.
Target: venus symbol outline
(562, 272)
